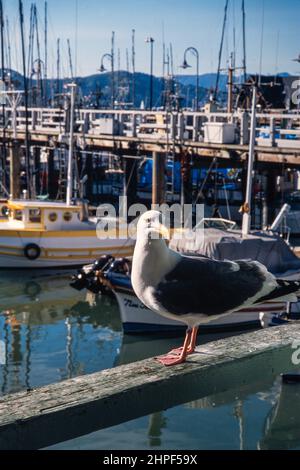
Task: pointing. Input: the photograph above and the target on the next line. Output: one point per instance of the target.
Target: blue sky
(185, 22)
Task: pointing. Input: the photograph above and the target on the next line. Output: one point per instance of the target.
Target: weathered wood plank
(65, 410)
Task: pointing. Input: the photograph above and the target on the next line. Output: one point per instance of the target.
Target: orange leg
(193, 341)
(171, 359)
(191, 346)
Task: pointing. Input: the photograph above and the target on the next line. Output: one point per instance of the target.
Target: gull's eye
(148, 221)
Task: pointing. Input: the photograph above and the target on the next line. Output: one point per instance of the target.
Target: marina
(149, 226)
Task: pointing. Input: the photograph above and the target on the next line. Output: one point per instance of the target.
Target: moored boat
(39, 234)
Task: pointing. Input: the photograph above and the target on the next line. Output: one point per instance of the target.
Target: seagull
(194, 289)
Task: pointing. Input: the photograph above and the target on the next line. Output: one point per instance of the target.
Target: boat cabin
(37, 215)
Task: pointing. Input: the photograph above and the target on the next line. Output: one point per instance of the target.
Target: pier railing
(273, 130)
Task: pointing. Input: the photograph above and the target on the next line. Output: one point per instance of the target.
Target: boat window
(67, 216)
(4, 211)
(35, 216)
(18, 214)
(52, 217)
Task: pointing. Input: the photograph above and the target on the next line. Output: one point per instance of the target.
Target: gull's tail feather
(287, 291)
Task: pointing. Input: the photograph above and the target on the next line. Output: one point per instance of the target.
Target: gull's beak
(163, 231)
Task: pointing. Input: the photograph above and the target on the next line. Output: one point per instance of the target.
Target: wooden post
(14, 157)
(37, 169)
(52, 179)
(244, 128)
(130, 165)
(271, 191)
(272, 131)
(89, 172)
(158, 178)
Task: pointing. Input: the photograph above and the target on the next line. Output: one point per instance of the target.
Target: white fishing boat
(55, 234)
(113, 276)
(138, 319)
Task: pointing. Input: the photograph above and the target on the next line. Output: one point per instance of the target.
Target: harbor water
(52, 332)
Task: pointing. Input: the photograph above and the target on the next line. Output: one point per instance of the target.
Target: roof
(23, 203)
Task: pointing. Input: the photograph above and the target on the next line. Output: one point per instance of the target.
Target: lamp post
(185, 65)
(103, 69)
(150, 41)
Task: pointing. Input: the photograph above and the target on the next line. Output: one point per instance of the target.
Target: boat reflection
(52, 333)
(282, 425)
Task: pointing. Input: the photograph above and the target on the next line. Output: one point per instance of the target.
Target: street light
(185, 65)
(150, 41)
(103, 69)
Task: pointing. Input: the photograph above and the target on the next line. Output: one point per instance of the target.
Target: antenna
(133, 67)
(70, 59)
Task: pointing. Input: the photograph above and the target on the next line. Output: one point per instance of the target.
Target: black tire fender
(32, 251)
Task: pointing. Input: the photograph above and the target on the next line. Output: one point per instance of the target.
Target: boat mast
(247, 205)
(133, 67)
(221, 50)
(244, 41)
(2, 97)
(27, 149)
(113, 69)
(70, 59)
(73, 87)
(58, 67)
(46, 54)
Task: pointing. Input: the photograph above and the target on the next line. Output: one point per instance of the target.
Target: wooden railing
(273, 130)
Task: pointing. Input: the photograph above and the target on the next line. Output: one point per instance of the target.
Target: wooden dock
(75, 407)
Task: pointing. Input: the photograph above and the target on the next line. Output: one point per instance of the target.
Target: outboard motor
(87, 277)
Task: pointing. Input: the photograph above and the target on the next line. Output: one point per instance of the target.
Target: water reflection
(282, 425)
(52, 332)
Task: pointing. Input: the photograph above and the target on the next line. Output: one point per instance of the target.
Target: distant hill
(207, 80)
(95, 90)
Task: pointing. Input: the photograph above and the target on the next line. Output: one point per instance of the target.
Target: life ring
(32, 251)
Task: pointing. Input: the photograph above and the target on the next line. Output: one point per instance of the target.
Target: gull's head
(150, 227)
